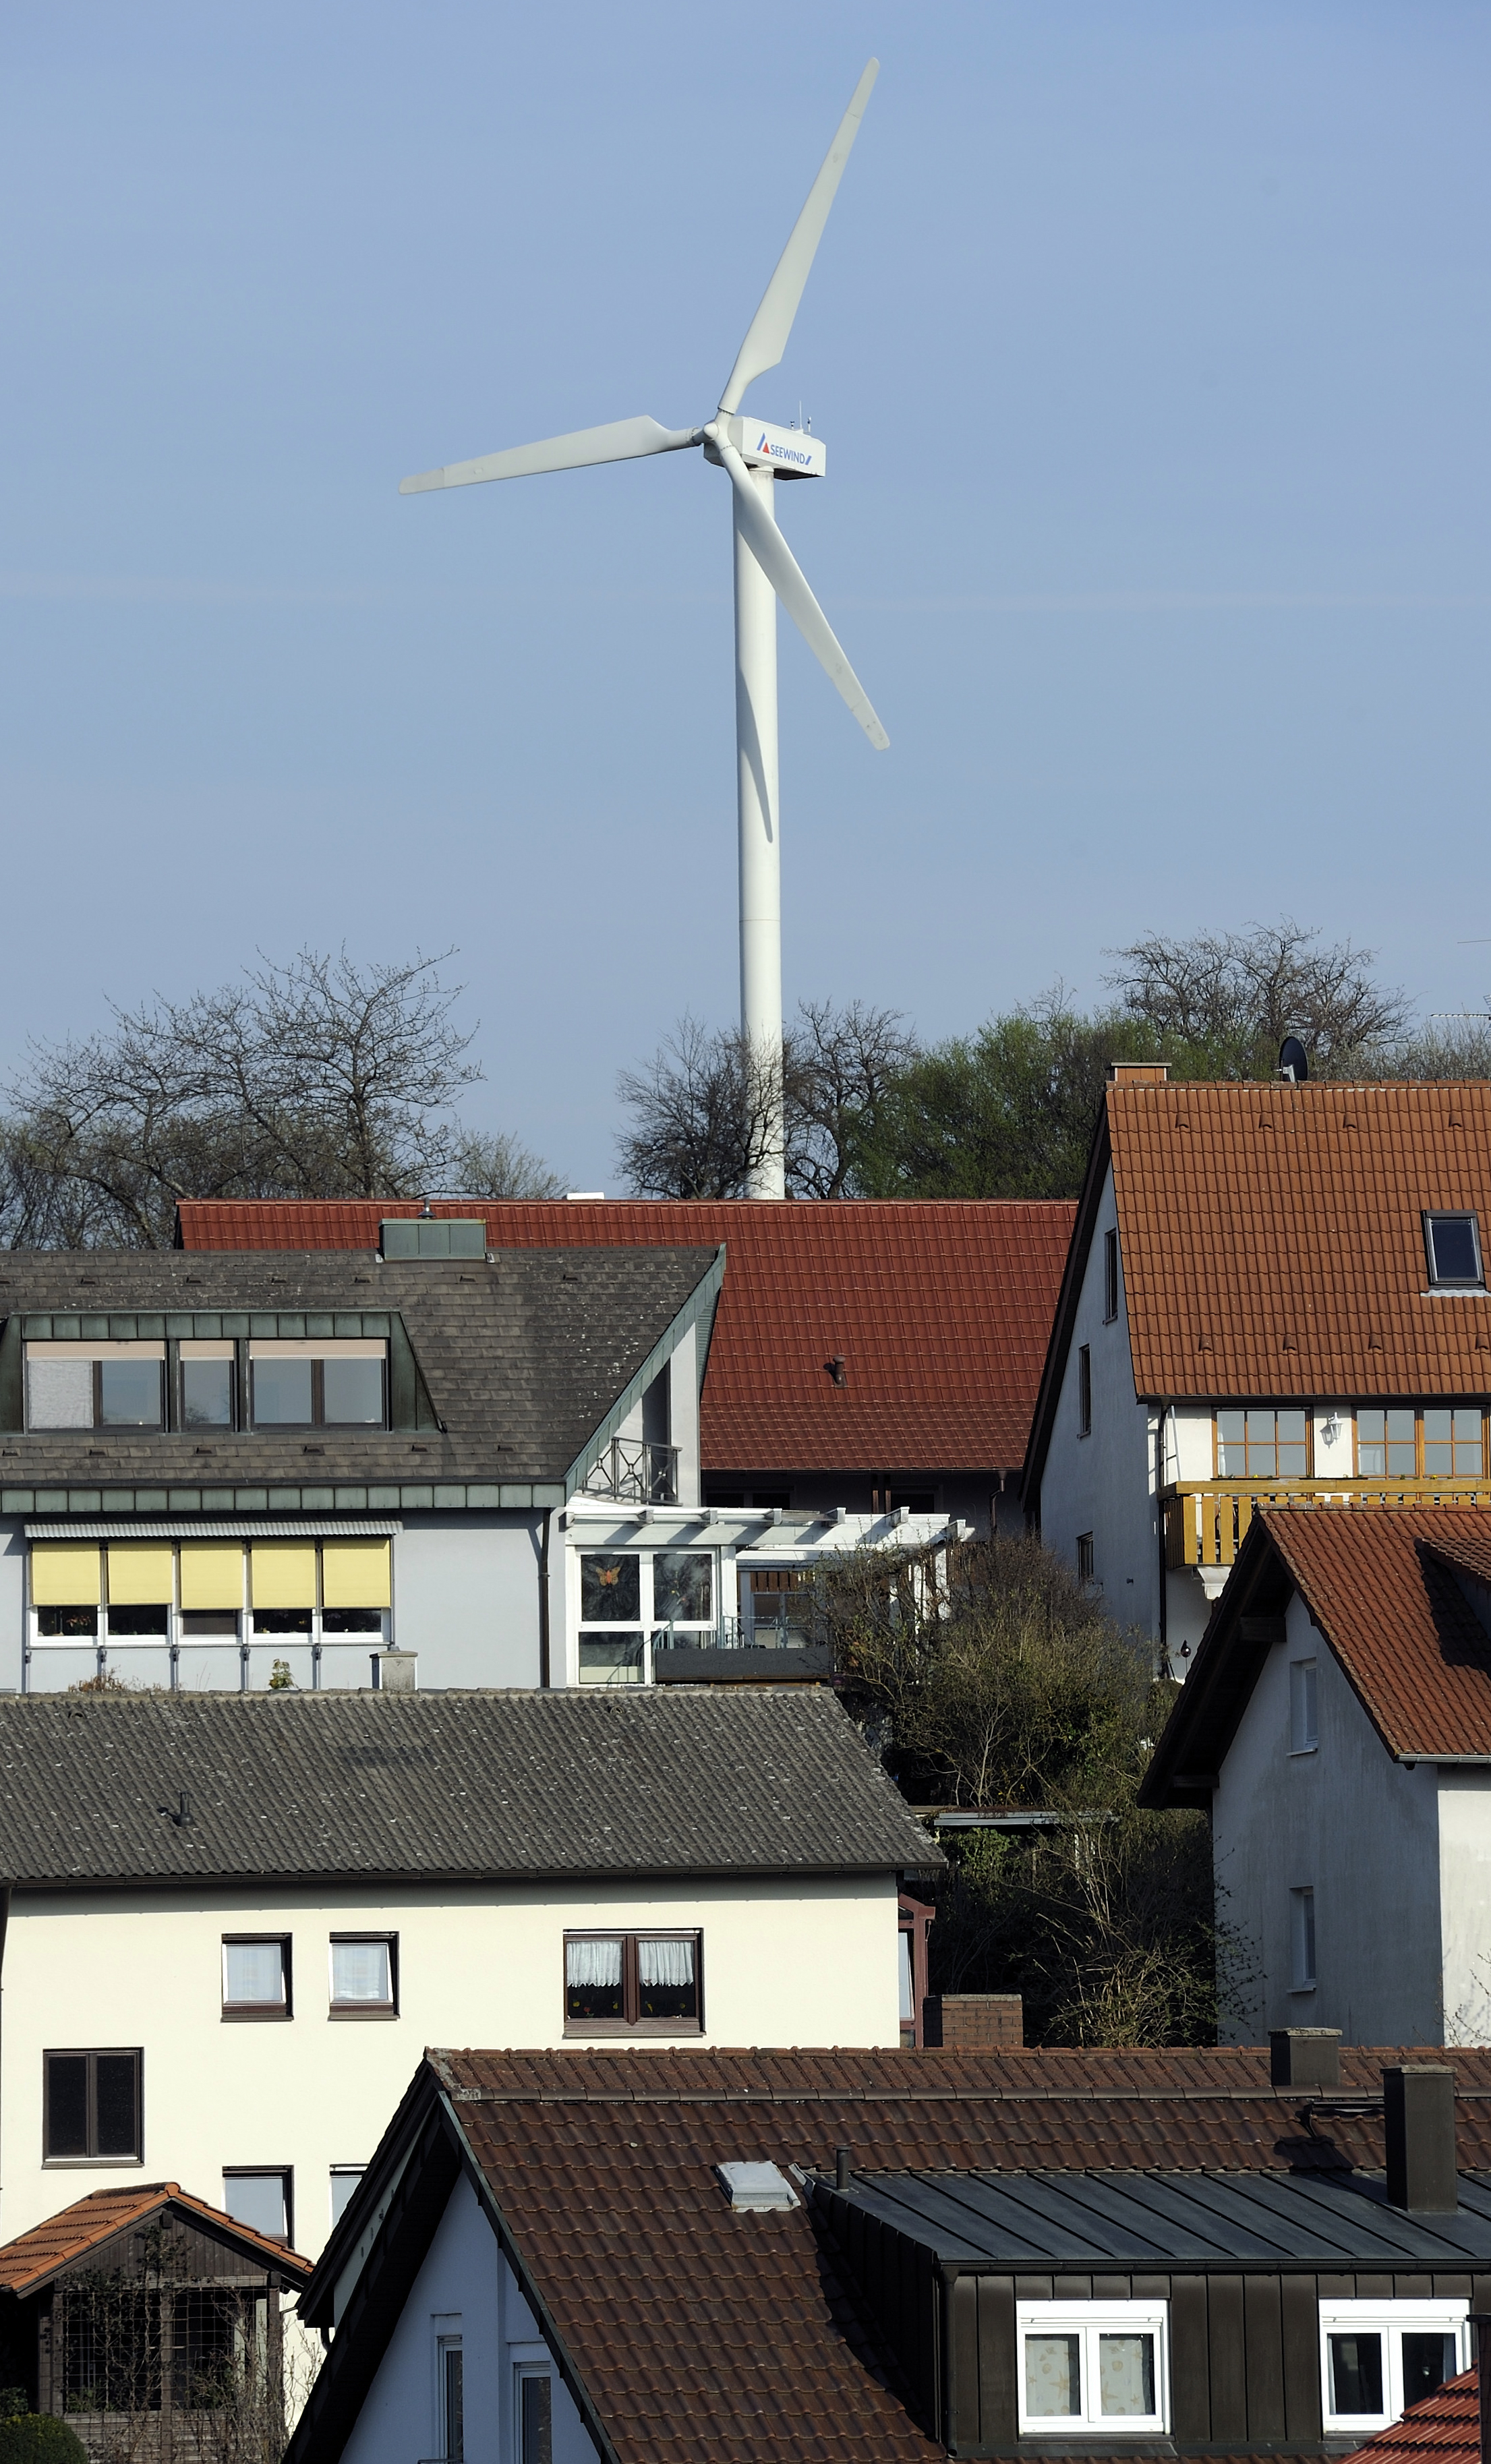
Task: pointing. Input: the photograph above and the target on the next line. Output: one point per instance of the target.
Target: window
(365, 1975)
(628, 1597)
(1452, 1246)
(623, 1984)
(1085, 1556)
(1303, 1735)
(94, 1386)
(1092, 2366)
(1444, 1441)
(535, 2417)
(326, 1385)
(1378, 2357)
(1084, 1391)
(90, 2108)
(1263, 1442)
(255, 1976)
(1109, 1276)
(206, 1395)
(261, 2198)
(1301, 1941)
(450, 2363)
(344, 2179)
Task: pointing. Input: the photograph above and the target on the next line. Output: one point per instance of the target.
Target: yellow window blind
(140, 1572)
(212, 1574)
(282, 1574)
(356, 1575)
(66, 1574)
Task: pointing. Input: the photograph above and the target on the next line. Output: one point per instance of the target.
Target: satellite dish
(1294, 1062)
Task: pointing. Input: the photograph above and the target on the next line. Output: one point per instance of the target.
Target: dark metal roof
(450, 1787)
(522, 1358)
(1263, 2221)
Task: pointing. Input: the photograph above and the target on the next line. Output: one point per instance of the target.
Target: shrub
(41, 2438)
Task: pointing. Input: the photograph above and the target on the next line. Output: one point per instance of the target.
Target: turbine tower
(756, 458)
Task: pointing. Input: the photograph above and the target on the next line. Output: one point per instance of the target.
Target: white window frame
(1089, 2320)
(1393, 2318)
(528, 2365)
(595, 1631)
(449, 2339)
(1305, 1706)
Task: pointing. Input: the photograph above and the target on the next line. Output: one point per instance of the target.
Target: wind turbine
(755, 456)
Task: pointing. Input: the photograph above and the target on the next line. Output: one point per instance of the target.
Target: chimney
(1419, 2102)
(1305, 2057)
(395, 1672)
(1138, 1073)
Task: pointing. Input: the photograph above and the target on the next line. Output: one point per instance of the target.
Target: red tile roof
(34, 2257)
(1381, 1584)
(1273, 1242)
(698, 2330)
(941, 1309)
(1445, 2429)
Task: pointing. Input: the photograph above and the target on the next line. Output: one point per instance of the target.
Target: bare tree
(704, 1108)
(1238, 994)
(318, 1079)
(485, 1165)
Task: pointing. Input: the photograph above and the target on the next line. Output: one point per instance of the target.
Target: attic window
(1451, 1243)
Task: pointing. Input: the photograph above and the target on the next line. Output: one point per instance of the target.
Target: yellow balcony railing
(1206, 1521)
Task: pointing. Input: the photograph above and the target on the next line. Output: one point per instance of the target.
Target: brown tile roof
(1381, 1584)
(34, 2257)
(941, 1309)
(1445, 2429)
(697, 2330)
(1272, 1236)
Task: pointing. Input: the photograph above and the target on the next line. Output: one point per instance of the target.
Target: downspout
(5, 1926)
(543, 1599)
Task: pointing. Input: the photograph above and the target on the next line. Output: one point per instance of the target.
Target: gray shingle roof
(522, 1357)
(448, 1787)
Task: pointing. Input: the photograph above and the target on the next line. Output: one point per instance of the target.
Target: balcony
(635, 1473)
(1206, 1521)
(774, 1653)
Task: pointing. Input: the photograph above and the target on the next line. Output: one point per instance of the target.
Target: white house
(234, 1921)
(1274, 1291)
(439, 1467)
(1337, 1724)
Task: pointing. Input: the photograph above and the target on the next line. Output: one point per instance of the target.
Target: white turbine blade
(624, 440)
(772, 323)
(789, 581)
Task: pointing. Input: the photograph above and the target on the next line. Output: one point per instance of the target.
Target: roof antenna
(1294, 1062)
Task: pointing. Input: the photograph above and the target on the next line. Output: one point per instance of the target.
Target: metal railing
(1206, 1521)
(635, 1472)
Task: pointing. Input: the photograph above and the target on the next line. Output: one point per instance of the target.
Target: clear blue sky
(1149, 344)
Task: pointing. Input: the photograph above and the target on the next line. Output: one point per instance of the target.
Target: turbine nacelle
(790, 451)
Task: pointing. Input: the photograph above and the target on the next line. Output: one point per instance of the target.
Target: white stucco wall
(466, 1599)
(1465, 1809)
(1105, 1483)
(803, 1963)
(1357, 1828)
(465, 2290)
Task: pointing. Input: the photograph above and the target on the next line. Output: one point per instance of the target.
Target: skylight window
(1451, 1243)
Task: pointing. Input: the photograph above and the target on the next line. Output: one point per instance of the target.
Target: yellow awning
(140, 1572)
(212, 1574)
(66, 1574)
(356, 1575)
(282, 1574)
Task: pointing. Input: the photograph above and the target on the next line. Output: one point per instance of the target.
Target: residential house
(1337, 1726)
(335, 1469)
(888, 2257)
(234, 1919)
(873, 1358)
(150, 2320)
(1273, 1291)
(1441, 2429)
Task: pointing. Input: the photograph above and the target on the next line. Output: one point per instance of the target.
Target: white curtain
(359, 1971)
(59, 1393)
(255, 1971)
(664, 1963)
(593, 1963)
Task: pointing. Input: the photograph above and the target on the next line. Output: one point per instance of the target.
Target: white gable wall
(1105, 1483)
(1464, 1806)
(1351, 1824)
(464, 2289)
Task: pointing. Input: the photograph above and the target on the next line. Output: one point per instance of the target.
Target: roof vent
(755, 2189)
(1137, 1073)
(424, 1235)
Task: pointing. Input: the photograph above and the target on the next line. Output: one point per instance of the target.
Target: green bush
(41, 2438)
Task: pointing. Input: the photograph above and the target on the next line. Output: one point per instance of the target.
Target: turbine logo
(782, 452)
